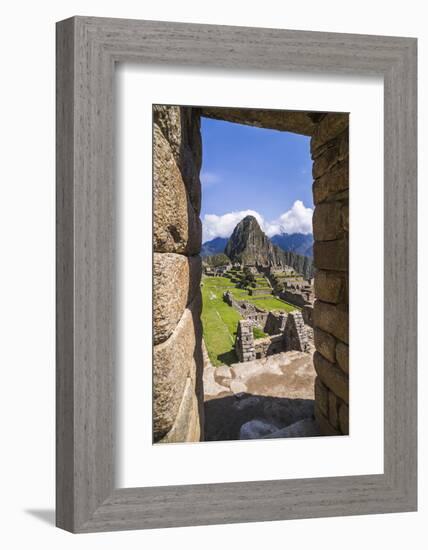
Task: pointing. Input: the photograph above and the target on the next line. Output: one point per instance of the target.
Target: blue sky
(254, 170)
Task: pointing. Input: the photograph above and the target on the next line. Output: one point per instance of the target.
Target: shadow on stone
(228, 358)
(225, 416)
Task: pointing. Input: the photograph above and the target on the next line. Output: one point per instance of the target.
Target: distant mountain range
(299, 243)
(215, 246)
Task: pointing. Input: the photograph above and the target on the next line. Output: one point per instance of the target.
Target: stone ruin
(248, 311)
(268, 321)
(295, 334)
(244, 344)
(292, 337)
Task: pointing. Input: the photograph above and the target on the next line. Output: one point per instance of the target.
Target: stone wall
(295, 335)
(308, 315)
(329, 149)
(244, 344)
(295, 297)
(275, 322)
(248, 311)
(292, 337)
(260, 291)
(269, 345)
(177, 332)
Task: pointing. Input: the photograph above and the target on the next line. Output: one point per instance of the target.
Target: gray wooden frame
(87, 50)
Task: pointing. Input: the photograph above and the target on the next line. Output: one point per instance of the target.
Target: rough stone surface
(181, 128)
(344, 418)
(325, 427)
(169, 121)
(178, 413)
(175, 284)
(333, 416)
(332, 377)
(331, 183)
(172, 364)
(342, 356)
(299, 122)
(332, 255)
(330, 154)
(279, 390)
(331, 287)
(329, 127)
(295, 335)
(308, 427)
(321, 396)
(345, 217)
(256, 429)
(186, 426)
(244, 344)
(325, 343)
(308, 315)
(176, 225)
(333, 319)
(326, 221)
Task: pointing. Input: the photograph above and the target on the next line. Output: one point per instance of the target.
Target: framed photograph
(236, 274)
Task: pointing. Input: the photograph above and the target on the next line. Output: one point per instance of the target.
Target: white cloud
(296, 220)
(222, 226)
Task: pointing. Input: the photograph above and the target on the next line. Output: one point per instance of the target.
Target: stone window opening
(178, 356)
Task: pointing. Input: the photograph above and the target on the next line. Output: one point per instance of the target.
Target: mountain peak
(249, 220)
(248, 244)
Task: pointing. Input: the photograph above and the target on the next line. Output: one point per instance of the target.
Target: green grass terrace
(220, 321)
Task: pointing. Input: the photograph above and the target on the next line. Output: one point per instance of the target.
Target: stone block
(342, 356)
(331, 183)
(168, 119)
(325, 343)
(176, 280)
(344, 418)
(330, 286)
(330, 126)
(181, 128)
(321, 396)
(186, 427)
(332, 255)
(190, 174)
(327, 221)
(345, 217)
(333, 319)
(172, 365)
(332, 377)
(331, 153)
(307, 314)
(177, 227)
(333, 415)
(325, 427)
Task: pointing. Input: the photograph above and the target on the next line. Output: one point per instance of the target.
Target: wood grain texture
(87, 49)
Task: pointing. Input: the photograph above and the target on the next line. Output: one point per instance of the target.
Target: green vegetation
(268, 302)
(219, 321)
(258, 333)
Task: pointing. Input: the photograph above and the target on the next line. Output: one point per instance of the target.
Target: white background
(27, 286)
(360, 453)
